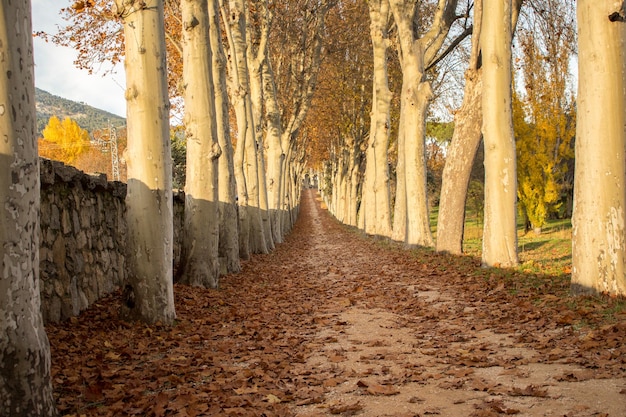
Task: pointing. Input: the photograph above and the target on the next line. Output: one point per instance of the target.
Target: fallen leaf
(272, 399)
(529, 391)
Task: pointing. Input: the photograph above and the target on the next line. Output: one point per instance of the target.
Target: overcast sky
(55, 71)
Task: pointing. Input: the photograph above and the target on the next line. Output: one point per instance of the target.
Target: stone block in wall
(80, 216)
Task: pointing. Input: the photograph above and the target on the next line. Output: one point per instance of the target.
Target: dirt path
(332, 323)
(442, 358)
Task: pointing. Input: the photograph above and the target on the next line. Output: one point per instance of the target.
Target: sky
(55, 71)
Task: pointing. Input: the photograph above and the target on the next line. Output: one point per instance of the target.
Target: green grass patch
(549, 252)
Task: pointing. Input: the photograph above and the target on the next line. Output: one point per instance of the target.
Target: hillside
(87, 117)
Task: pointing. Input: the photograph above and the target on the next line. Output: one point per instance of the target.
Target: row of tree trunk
(485, 114)
(237, 201)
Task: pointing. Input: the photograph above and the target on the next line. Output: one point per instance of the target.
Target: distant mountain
(87, 117)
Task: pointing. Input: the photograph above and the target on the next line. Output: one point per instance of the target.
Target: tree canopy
(63, 140)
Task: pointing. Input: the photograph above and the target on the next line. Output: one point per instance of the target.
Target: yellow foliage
(64, 141)
(544, 130)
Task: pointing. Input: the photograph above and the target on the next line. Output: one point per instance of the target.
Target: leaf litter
(336, 323)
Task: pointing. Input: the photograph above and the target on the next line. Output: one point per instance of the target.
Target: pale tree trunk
(376, 207)
(458, 167)
(257, 56)
(257, 242)
(411, 219)
(235, 27)
(263, 196)
(353, 190)
(462, 151)
(150, 291)
(598, 241)
(289, 201)
(257, 99)
(463, 147)
(275, 153)
(246, 161)
(500, 230)
(257, 106)
(338, 178)
(228, 230)
(199, 256)
(297, 176)
(400, 219)
(285, 222)
(330, 170)
(345, 178)
(25, 384)
(411, 222)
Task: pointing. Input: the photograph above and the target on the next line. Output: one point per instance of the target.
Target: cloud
(56, 73)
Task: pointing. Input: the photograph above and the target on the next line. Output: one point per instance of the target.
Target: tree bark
(257, 57)
(500, 230)
(275, 153)
(411, 219)
(598, 240)
(25, 383)
(464, 145)
(376, 206)
(199, 256)
(227, 209)
(246, 162)
(150, 292)
(458, 168)
(411, 222)
(234, 27)
(462, 151)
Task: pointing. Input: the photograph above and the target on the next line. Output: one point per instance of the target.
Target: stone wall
(83, 237)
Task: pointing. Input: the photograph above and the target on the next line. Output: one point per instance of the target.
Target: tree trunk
(598, 239)
(228, 229)
(462, 151)
(246, 163)
(463, 147)
(150, 293)
(275, 153)
(353, 195)
(376, 208)
(235, 27)
(199, 257)
(411, 223)
(400, 222)
(256, 95)
(257, 240)
(411, 219)
(416, 96)
(500, 230)
(25, 384)
(458, 167)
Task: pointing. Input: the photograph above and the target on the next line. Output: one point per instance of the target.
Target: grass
(547, 253)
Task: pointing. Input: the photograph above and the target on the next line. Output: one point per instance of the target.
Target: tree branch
(468, 31)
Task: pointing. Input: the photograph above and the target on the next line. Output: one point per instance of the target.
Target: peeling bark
(500, 230)
(228, 229)
(149, 191)
(598, 233)
(25, 384)
(199, 256)
(375, 216)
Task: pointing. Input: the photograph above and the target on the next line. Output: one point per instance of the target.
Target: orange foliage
(339, 116)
